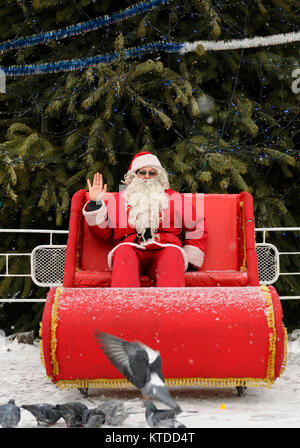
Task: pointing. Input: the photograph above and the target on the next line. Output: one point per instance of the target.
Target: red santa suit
(165, 253)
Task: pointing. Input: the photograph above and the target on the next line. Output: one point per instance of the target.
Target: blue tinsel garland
(83, 63)
(80, 28)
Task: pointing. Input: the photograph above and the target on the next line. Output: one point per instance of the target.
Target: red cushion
(220, 278)
(103, 279)
(209, 278)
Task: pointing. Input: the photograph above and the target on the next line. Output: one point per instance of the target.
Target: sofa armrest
(74, 237)
(248, 236)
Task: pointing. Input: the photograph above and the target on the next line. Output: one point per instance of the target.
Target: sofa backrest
(222, 214)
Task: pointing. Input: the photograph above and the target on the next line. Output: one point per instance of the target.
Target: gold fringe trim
(273, 335)
(105, 383)
(54, 322)
(285, 350)
(219, 382)
(94, 383)
(41, 347)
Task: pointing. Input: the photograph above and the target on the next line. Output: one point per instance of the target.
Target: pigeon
(139, 364)
(10, 414)
(72, 412)
(93, 418)
(95, 421)
(43, 412)
(161, 417)
(115, 412)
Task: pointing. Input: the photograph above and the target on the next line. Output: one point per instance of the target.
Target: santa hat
(143, 159)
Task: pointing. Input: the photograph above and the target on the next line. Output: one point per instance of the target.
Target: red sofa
(222, 329)
(230, 259)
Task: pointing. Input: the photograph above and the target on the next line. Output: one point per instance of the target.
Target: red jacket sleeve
(98, 222)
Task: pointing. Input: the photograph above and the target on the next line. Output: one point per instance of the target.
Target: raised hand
(96, 190)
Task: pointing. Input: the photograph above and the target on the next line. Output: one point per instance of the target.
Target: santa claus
(157, 231)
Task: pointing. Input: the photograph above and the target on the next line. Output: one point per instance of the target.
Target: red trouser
(165, 266)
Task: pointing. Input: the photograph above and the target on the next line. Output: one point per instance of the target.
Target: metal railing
(8, 256)
(275, 255)
(47, 261)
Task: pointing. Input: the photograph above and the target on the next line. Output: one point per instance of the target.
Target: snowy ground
(23, 378)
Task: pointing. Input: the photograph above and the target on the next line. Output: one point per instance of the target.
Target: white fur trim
(139, 246)
(195, 256)
(145, 160)
(96, 217)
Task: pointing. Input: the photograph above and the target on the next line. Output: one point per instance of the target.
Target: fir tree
(221, 121)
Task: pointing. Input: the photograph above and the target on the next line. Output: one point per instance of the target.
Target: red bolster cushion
(221, 336)
(201, 278)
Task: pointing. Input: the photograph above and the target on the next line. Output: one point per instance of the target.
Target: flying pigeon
(161, 417)
(72, 412)
(139, 364)
(9, 414)
(43, 412)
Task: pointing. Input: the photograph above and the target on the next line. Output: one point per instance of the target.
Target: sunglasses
(144, 172)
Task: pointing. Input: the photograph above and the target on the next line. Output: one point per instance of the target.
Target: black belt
(147, 236)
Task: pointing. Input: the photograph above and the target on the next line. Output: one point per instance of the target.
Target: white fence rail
(47, 260)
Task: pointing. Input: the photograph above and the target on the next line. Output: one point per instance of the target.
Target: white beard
(146, 200)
